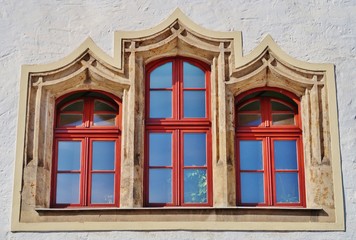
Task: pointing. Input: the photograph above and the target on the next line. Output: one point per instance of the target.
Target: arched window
(178, 134)
(269, 149)
(86, 150)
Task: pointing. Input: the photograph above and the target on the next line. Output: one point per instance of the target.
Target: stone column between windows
(132, 157)
(222, 184)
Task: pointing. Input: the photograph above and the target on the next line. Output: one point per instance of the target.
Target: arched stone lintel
(177, 25)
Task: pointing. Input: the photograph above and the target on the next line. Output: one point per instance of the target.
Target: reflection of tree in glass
(287, 190)
(109, 198)
(195, 186)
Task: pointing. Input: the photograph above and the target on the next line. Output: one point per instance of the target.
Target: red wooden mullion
(268, 156)
(85, 177)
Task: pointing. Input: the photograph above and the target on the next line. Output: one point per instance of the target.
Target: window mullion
(177, 168)
(266, 113)
(85, 171)
(177, 76)
(268, 172)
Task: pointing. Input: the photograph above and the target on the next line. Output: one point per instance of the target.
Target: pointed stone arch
(314, 84)
(87, 68)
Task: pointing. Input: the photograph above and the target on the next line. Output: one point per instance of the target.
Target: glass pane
(104, 119)
(69, 155)
(253, 106)
(277, 106)
(194, 149)
(161, 77)
(251, 155)
(193, 77)
(249, 119)
(283, 119)
(160, 104)
(70, 120)
(287, 189)
(102, 188)
(76, 106)
(102, 106)
(252, 188)
(194, 104)
(67, 188)
(285, 154)
(195, 186)
(160, 186)
(160, 149)
(103, 155)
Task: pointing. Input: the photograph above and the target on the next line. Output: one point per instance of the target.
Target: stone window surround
(123, 76)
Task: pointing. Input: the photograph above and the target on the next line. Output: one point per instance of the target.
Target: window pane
(70, 120)
(194, 149)
(287, 189)
(76, 106)
(160, 186)
(160, 104)
(285, 154)
(252, 188)
(249, 119)
(251, 155)
(253, 106)
(102, 106)
(277, 106)
(103, 155)
(67, 188)
(69, 153)
(193, 77)
(283, 119)
(102, 188)
(160, 149)
(104, 119)
(195, 186)
(194, 104)
(161, 77)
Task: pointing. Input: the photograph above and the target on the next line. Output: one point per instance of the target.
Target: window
(269, 150)
(178, 165)
(86, 151)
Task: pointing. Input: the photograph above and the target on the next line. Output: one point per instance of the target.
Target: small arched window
(86, 158)
(269, 149)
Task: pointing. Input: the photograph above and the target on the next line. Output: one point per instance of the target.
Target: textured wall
(42, 31)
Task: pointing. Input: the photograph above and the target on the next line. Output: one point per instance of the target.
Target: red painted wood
(87, 133)
(268, 133)
(178, 125)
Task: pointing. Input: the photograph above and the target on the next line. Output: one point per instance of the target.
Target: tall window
(86, 150)
(178, 152)
(269, 149)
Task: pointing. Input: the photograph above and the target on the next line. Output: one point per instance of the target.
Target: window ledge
(177, 208)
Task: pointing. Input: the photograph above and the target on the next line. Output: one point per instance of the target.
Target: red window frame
(178, 125)
(268, 133)
(86, 133)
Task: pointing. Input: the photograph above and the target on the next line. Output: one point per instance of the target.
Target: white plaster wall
(41, 31)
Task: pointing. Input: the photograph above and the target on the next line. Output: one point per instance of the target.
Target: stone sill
(180, 218)
(174, 208)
